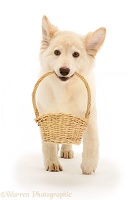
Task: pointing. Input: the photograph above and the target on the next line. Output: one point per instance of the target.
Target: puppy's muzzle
(64, 71)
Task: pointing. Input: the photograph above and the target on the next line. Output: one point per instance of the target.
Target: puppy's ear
(94, 41)
(48, 32)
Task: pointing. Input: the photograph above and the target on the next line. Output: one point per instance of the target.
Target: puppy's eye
(57, 52)
(75, 54)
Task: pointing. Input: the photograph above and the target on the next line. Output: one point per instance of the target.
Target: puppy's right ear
(94, 41)
(48, 32)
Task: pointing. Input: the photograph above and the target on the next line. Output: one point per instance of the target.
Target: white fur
(54, 95)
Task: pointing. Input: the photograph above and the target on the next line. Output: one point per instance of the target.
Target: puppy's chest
(65, 100)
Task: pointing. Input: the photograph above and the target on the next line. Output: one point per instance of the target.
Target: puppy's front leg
(51, 161)
(90, 146)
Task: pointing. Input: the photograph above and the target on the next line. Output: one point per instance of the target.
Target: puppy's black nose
(64, 71)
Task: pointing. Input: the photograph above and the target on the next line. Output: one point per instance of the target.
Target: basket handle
(52, 72)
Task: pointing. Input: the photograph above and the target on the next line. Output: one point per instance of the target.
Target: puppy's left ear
(94, 41)
(48, 32)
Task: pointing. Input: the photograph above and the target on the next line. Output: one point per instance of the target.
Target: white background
(21, 163)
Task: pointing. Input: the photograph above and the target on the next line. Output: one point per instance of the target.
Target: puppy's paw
(53, 167)
(88, 167)
(68, 154)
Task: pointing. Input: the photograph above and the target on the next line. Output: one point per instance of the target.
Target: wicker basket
(59, 127)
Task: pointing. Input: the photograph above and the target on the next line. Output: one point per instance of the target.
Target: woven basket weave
(61, 128)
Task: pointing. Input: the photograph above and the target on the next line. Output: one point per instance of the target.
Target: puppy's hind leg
(66, 151)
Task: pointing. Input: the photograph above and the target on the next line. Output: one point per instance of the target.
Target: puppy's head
(67, 52)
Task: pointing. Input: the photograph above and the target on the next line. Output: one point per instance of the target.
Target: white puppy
(67, 52)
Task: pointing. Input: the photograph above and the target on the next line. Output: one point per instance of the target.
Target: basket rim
(61, 114)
